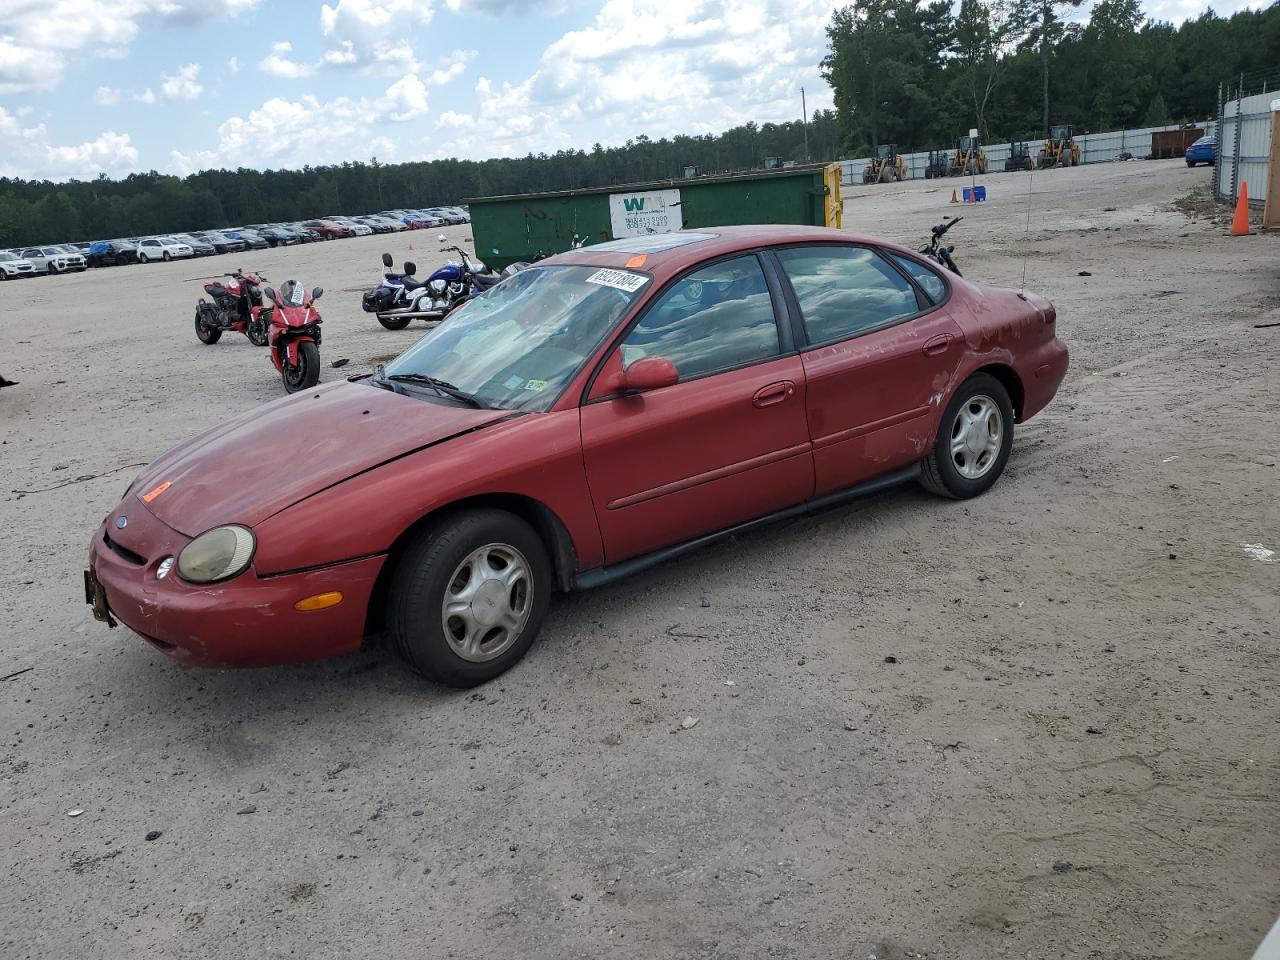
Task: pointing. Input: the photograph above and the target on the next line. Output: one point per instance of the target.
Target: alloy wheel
(487, 602)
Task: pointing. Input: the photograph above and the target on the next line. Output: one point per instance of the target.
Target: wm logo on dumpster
(632, 203)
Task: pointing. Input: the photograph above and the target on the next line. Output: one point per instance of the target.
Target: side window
(31, 253)
(712, 319)
(929, 281)
(845, 291)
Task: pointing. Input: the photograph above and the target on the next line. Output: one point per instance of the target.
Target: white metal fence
(1244, 147)
(1094, 148)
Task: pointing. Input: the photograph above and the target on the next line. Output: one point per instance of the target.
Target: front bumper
(248, 621)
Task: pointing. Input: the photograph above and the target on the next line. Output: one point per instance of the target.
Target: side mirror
(410, 268)
(386, 260)
(269, 293)
(650, 373)
(317, 292)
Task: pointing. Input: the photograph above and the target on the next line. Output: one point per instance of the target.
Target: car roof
(667, 253)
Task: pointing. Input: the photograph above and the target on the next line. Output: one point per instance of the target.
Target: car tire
(166, 257)
(451, 557)
(974, 439)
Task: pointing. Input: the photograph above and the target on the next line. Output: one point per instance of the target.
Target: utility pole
(804, 120)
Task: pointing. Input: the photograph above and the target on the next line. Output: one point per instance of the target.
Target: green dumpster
(528, 226)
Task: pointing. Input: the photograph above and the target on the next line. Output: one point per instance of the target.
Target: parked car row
(51, 259)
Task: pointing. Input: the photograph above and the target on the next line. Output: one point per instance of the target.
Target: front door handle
(937, 345)
(773, 393)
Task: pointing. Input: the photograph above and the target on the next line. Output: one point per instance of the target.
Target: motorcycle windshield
(292, 294)
(517, 345)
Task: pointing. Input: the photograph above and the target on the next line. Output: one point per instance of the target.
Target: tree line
(919, 74)
(35, 211)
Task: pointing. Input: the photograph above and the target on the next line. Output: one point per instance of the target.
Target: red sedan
(602, 411)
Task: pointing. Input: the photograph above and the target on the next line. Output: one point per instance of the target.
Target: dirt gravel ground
(1074, 754)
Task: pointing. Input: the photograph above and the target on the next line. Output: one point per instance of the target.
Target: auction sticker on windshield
(619, 280)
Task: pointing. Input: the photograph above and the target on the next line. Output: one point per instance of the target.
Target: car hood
(266, 459)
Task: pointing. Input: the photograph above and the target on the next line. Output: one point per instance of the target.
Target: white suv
(13, 266)
(162, 248)
(53, 259)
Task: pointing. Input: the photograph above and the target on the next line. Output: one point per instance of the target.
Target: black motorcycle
(938, 253)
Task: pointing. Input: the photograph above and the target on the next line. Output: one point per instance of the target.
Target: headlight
(219, 554)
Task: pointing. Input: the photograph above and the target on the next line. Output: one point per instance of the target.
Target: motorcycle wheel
(394, 323)
(257, 334)
(207, 335)
(307, 373)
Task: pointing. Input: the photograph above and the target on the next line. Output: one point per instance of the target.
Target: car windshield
(517, 345)
(5, 255)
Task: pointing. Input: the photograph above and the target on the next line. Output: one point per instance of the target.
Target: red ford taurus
(607, 409)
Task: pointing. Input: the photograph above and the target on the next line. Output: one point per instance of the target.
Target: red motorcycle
(237, 305)
(294, 325)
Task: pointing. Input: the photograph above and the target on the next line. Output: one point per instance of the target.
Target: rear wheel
(468, 596)
(206, 333)
(306, 372)
(973, 442)
(394, 323)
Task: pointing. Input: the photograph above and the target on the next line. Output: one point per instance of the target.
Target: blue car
(1204, 150)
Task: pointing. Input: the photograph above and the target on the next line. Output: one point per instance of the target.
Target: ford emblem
(121, 522)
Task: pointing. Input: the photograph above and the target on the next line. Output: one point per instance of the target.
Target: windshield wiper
(379, 378)
(442, 386)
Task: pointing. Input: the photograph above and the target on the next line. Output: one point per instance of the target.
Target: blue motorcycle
(401, 297)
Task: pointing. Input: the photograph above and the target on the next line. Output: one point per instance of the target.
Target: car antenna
(1026, 239)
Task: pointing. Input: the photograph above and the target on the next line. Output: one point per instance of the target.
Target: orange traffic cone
(1240, 222)
(954, 198)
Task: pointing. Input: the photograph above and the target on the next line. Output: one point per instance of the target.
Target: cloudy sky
(90, 86)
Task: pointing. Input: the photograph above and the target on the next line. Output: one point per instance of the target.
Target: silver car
(54, 259)
(13, 266)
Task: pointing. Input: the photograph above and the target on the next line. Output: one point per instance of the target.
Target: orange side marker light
(637, 261)
(320, 601)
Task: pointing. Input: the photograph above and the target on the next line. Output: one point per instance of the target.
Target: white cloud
(234, 64)
(39, 37)
(370, 34)
(106, 96)
(451, 67)
(183, 85)
(284, 133)
(29, 154)
(146, 96)
(657, 68)
(506, 8)
(278, 64)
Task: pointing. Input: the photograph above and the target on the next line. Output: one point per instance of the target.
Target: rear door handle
(937, 345)
(773, 393)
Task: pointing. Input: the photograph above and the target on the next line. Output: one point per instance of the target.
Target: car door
(35, 257)
(726, 443)
(881, 351)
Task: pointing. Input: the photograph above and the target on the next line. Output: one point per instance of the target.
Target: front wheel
(468, 596)
(394, 323)
(973, 442)
(208, 335)
(166, 256)
(306, 372)
(256, 331)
